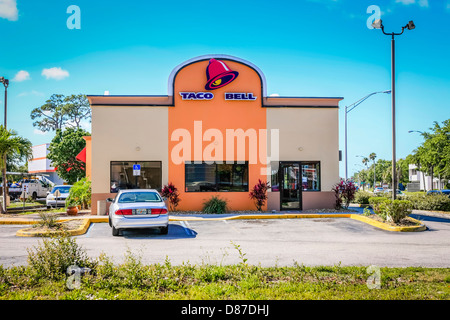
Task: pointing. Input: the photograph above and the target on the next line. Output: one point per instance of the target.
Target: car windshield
(132, 197)
(61, 189)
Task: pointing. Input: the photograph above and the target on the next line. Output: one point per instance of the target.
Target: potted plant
(72, 206)
(79, 195)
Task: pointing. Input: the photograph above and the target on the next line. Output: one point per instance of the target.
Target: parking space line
(229, 224)
(187, 228)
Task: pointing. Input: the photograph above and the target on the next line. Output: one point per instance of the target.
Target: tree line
(432, 158)
(63, 116)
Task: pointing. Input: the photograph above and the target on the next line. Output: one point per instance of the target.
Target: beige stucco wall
(127, 133)
(315, 131)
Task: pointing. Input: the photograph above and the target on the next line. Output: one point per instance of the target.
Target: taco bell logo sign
(219, 75)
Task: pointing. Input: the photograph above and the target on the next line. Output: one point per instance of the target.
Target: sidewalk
(179, 216)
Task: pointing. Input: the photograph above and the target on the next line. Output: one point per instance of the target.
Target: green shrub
(48, 220)
(421, 201)
(215, 205)
(375, 203)
(394, 210)
(80, 194)
(51, 259)
(362, 197)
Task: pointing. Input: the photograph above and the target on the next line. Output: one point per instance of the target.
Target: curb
(385, 226)
(28, 232)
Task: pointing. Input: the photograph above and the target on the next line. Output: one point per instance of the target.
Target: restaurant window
(206, 177)
(123, 177)
(310, 176)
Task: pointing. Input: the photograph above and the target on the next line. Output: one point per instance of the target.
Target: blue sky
(304, 48)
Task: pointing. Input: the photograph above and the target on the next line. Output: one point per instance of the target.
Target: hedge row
(419, 201)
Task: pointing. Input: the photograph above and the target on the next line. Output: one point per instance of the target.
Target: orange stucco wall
(88, 156)
(215, 114)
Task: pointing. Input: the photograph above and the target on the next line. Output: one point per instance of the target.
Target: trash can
(101, 208)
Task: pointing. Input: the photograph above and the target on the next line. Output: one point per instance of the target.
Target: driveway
(267, 242)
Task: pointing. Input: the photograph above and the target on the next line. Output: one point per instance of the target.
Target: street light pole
(6, 84)
(347, 110)
(5, 182)
(378, 24)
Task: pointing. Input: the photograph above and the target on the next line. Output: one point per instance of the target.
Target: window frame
(136, 162)
(278, 179)
(216, 176)
(319, 178)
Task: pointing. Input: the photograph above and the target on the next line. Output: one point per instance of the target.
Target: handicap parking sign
(136, 169)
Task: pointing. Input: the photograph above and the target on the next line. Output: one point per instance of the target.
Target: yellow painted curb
(385, 226)
(100, 219)
(28, 232)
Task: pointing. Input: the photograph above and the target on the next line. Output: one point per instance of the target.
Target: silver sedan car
(138, 208)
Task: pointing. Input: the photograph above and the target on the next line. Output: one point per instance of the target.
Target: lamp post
(347, 110)
(5, 183)
(6, 84)
(378, 24)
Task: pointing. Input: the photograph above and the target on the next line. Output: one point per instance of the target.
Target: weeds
(49, 220)
(45, 278)
(51, 259)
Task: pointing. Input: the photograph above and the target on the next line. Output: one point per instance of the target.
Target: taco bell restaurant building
(216, 133)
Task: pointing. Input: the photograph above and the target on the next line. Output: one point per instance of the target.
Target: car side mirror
(109, 200)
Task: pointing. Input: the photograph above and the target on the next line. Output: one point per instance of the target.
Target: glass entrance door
(290, 186)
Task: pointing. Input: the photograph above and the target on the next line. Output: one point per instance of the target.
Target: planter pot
(72, 211)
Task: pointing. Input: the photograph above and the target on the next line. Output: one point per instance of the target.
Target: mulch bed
(62, 226)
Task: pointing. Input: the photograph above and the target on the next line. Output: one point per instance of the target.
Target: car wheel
(164, 230)
(115, 232)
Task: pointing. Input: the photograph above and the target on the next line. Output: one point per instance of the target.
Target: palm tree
(13, 145)
(372, 157)
(365, 160)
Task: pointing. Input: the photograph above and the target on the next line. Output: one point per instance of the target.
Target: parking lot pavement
(268, 242)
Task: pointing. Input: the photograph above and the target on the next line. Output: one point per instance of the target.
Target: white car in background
(58, 201)
(138, 208)
(379, 190)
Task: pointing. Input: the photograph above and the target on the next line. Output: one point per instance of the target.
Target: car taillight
(159, 211)
(126, 212)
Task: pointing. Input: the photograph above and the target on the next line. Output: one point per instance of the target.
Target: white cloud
(8, 10)
(274, 95)
(421, 3)
(39, 132)
(31, 93)
(22, 75)
(55, 73)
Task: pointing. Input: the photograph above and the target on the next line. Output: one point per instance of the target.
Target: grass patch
(45, 277)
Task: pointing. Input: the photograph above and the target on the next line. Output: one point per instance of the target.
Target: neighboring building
(40, 165)
(216, 133)
(425, 181)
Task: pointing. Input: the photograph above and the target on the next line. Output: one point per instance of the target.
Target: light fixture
(410, 25)
(377, 24)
